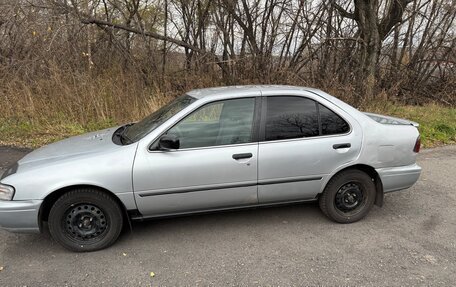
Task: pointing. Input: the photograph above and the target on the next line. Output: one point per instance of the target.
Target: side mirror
(168, 142)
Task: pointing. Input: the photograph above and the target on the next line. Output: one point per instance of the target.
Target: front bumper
(397, 178)
(20, 216)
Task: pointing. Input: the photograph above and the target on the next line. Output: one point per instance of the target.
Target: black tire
(348, 197)
(85, 220)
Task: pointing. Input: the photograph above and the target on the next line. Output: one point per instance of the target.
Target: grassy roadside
(33, 134)
(437, 126)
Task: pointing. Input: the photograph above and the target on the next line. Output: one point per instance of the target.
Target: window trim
(151, 148)
(262, 138)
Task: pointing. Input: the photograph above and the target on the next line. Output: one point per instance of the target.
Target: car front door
(302, 143)
(215, 166)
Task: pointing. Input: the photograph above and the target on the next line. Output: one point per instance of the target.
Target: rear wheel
(348, 197)
(85, 220)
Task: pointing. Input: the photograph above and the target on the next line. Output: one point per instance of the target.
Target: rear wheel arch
(369, 170)
(51, 198)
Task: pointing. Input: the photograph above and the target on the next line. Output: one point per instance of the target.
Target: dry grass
(79, 98)
(57, 105)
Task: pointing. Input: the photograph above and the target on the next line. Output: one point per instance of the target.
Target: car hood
(83, 144)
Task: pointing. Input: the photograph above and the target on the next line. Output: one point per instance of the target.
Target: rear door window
(290, 118)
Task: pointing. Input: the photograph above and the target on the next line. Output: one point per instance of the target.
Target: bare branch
(139, 32)
(343, 12)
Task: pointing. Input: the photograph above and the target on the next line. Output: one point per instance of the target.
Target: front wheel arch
(51, 198)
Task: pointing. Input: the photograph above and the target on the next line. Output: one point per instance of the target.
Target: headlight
(6, 192)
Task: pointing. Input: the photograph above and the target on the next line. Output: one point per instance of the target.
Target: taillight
(417, 146)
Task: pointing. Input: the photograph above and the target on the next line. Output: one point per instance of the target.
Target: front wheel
(85, 220)
(348, 197)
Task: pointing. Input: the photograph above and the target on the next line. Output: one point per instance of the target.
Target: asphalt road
(409, 241)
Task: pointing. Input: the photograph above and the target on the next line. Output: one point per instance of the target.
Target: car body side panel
(20, 216)
(290, 191)
(383, 145)
(189, 202)
(188, 180)
(397, 178)
(385, 148)
(312, 159)
(389, 145)
(110, 170)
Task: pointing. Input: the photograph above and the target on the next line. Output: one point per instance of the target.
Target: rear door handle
(342, 145)
(242, 155)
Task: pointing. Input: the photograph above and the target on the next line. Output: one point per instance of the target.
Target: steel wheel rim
(85, 223)
(350, 198)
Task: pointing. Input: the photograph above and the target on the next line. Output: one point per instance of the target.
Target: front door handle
(242, 155)
(342, 145)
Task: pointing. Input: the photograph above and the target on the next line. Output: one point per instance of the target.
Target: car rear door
(215, 167)
(302, 143)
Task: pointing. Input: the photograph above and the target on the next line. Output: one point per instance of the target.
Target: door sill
(214, 210)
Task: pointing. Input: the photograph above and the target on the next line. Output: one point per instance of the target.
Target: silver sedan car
(209, 150)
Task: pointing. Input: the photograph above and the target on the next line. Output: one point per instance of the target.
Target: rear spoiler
(387, 120)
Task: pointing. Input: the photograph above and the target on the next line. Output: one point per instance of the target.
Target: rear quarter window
(331, 123)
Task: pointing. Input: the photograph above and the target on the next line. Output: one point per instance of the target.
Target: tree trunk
(165, 34)
(366, 17)
(372, 30)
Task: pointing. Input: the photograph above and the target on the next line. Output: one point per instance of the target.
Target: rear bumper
(20, 216)
(397, 178)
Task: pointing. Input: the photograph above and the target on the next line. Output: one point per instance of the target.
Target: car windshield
(139, 130)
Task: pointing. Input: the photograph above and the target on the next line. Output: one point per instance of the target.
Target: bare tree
(375, 20)
(356, 48)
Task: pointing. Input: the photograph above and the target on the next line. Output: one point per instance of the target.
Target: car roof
(237, 91)
(268, 90)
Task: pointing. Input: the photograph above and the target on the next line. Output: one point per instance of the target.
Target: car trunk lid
(388, 120)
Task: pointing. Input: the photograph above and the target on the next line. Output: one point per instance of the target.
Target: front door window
(219, 123)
